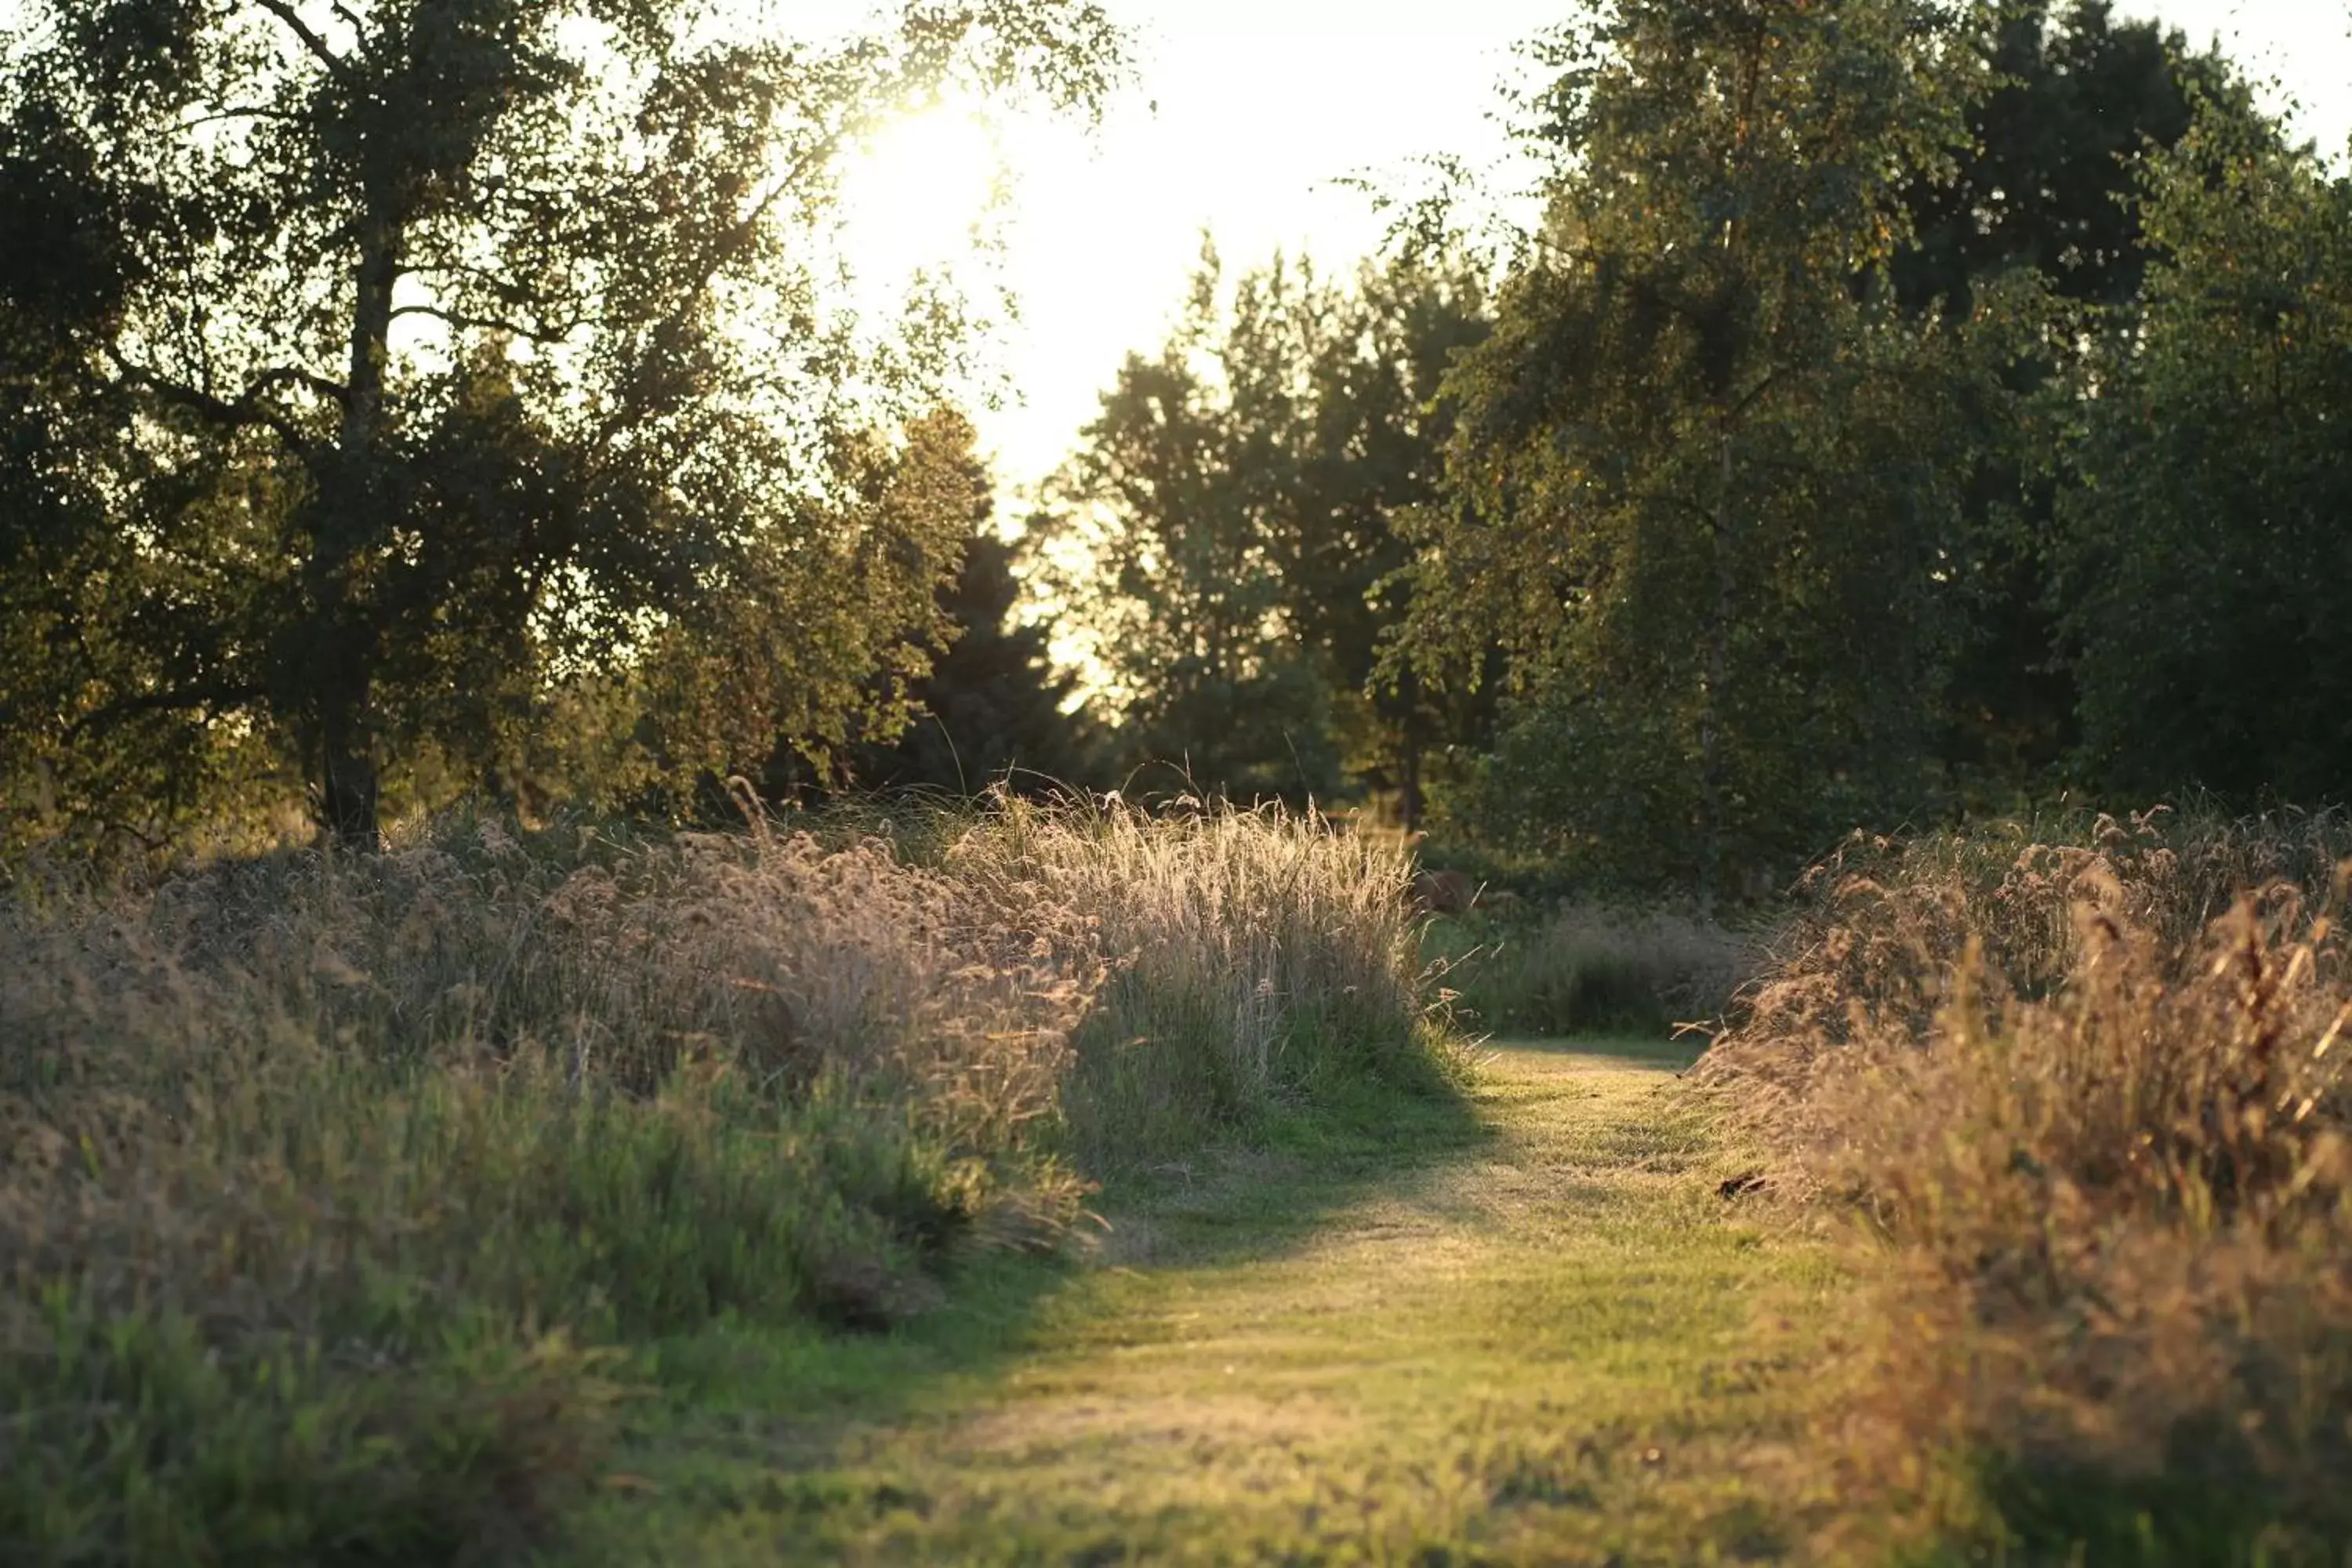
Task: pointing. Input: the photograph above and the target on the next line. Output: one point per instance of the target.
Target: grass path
(1520, 1328)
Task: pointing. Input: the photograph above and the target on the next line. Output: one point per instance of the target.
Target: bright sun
(919, 194)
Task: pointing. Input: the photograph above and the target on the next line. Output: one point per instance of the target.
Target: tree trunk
(343, 676)
(347, 769)
(1710, 748)
(1409, 739)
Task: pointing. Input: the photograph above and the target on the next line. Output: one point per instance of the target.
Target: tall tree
(1167, 530)
(2047, 184)
(1700, 482)
(2046, 177)
(1238, 505)
(83, 607)
(460, 346)
(2200, 546)
(993, 710)
(990, 708)
(1372, 450)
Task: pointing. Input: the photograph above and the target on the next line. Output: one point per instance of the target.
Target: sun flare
(921, 193)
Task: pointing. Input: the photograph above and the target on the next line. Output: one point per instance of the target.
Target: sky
(1246, 113)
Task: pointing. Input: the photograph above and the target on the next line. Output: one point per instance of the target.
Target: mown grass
(1528, 1329)
(345, 1205)
(2081, 1087)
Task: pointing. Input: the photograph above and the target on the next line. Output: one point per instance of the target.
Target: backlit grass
(1529, 1331)
(344, 1200)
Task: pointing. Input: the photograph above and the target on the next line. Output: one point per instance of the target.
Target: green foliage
(1228, 533)
(2047, 187)
(393, 370)
(1374, 450)
(1173, 506)
(1705, 470)
(2200, 547)
(2046, 179)
(990, 708)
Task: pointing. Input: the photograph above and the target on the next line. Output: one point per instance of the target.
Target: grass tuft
(2089, 1096)
(1593, 970)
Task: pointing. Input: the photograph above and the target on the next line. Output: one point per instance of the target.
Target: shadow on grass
(742, 1404)
(1245, 1200)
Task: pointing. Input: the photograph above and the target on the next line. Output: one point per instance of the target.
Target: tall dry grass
(334, 1190)
(1254, 957)
(2089, 1098)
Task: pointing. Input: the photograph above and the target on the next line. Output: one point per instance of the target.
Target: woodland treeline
(1902, 408)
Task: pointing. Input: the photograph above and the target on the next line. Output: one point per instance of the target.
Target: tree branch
(459, 320)
(240, 112)
(1748, 400)
(728, 245)
(248, 410)
(286, 375)
(184, 700)
(310, 39)
(497, 283)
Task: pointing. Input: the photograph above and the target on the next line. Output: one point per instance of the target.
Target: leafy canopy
(1701, 472)
(1228, 529)
(388, 374)
(2201, 548)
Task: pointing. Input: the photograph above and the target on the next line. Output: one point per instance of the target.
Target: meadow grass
(342, 1200)
(2081, 1088)
(1522, 1328)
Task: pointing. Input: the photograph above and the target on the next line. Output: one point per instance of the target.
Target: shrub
(2094, 1096)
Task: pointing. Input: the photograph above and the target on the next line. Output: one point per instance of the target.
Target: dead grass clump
(2091, 1099)
(1257, 957)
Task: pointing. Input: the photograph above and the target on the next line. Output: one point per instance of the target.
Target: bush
(2094, 1093)
(333, 1190)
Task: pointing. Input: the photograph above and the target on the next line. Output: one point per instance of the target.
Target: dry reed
(2090, 1099)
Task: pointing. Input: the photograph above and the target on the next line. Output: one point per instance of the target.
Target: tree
(994, 708)
(459, 349)
(2047, 184)
(991, 707)
(2199, 551)
(1701, 477)
(1237, 505)
(2046, 178)
(1372, 451)
(1166, 544)
(82, 607)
